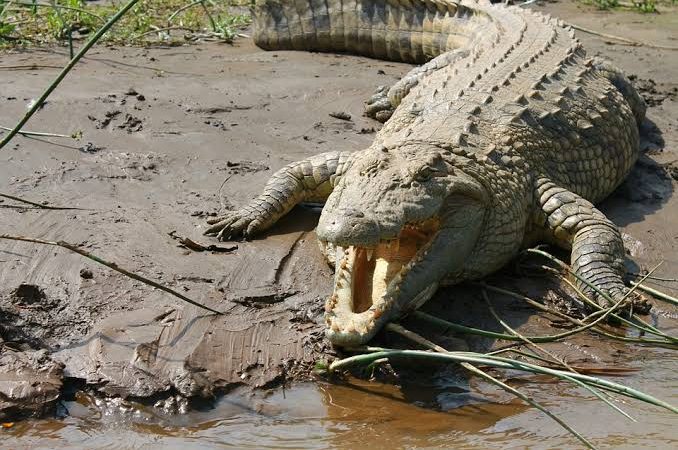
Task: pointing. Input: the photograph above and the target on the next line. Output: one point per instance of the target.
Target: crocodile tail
(413, 31)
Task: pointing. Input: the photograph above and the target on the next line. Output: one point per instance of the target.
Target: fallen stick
(621, 39)
(30, 67)
(111, 265)
(38, 205)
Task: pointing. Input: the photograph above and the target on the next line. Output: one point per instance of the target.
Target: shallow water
(448, 411)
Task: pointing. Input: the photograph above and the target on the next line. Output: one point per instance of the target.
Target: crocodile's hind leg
(597, 247)
(386, 99)
(623, 85)
(310, 179)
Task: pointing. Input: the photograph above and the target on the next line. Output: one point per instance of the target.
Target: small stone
(86, 274)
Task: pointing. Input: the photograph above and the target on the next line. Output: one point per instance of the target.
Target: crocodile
(504, 136)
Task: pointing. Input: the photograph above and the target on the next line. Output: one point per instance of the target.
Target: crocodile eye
(424, 174)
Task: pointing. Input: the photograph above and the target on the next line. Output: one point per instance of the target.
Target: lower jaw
(353, 317)
(348, 340)
(350, 319)
(356, 336)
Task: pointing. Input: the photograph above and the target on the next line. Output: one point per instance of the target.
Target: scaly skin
(504, 138)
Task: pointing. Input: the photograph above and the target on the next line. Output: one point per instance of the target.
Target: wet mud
(173, 136)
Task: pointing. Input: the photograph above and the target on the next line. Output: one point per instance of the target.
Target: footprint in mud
(133, 166)
(106, 121)
(131, 124)
(652, 94)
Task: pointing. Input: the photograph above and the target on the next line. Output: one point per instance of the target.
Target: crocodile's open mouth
(368, 281)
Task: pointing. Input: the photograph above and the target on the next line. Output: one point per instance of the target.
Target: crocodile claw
(633, 303)
(232, 225)
(379, 106)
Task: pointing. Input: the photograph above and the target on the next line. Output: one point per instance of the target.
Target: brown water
(447, 413)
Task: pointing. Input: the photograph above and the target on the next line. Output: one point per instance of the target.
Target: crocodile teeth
(369, 252)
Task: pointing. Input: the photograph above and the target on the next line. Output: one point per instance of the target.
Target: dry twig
(110, 265)
(626, 41)
(38, 205)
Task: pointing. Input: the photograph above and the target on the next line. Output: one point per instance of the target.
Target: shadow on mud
(647, 188)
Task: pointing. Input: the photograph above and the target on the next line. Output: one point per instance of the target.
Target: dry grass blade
(640, 275)
(57, 7)
(639, 324)
(588, 370)
(85, 48)
(502, 363)
(111, 265)
(572, 320)
(553, 357)
(182, 9)
(42, 134)
(473, 369)
(510, 337)
(529, 400)
(508, 328)
(426, 343)
(654, 292)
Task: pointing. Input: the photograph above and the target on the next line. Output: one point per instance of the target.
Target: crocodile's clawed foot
(634, 303)
(233, 225)
(379, 106)
(640, 304)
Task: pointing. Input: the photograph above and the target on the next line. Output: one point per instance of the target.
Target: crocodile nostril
(354, 213)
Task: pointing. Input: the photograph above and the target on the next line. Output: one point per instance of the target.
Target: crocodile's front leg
(310, 179)
(596, 243)
(386, 99)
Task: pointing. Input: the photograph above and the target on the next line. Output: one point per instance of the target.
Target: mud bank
(170, 137)
(174, 136)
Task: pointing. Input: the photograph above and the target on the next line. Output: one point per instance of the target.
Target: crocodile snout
(347, 227)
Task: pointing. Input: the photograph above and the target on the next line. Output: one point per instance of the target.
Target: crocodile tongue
(368, 280)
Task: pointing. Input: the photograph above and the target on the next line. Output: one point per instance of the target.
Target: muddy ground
(172, 136)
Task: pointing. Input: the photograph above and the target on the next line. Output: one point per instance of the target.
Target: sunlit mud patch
(368, 279)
